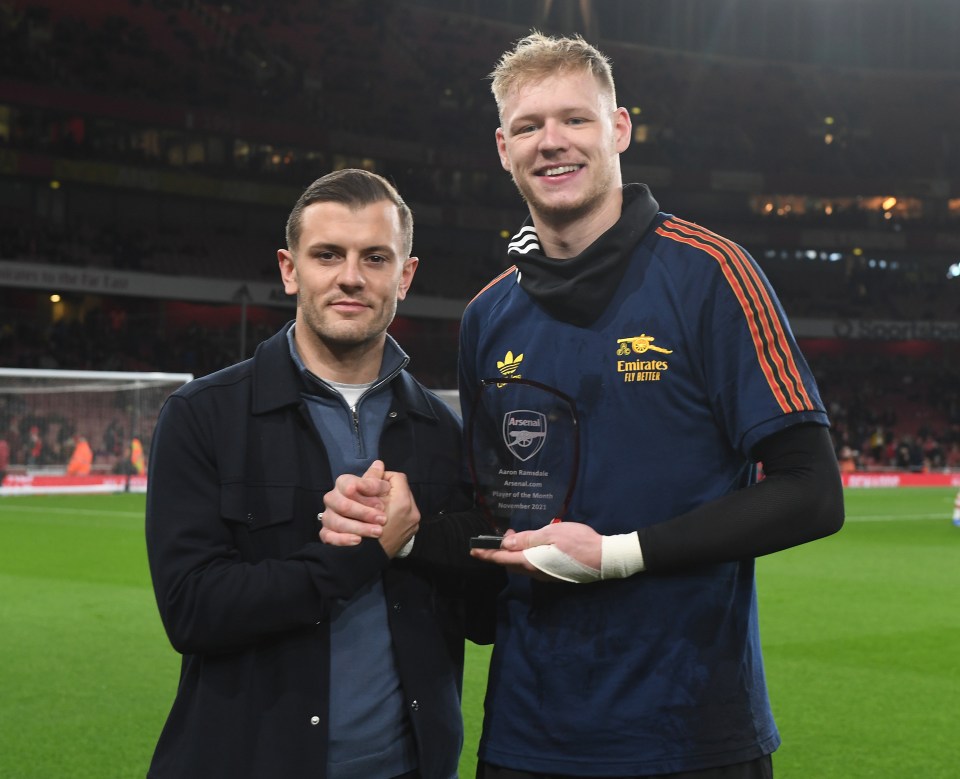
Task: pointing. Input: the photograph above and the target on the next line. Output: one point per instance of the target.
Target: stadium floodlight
(44, 413)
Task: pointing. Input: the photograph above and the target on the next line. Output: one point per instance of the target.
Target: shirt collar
(394, 360)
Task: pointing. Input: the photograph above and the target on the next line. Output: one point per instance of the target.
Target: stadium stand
(172, 136)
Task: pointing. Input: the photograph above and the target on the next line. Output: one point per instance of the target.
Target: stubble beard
(344, 336)
(565, 213)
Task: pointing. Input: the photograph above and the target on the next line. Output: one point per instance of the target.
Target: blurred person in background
(34, 446)
(4, 459)
(81, 459)
(137, 463)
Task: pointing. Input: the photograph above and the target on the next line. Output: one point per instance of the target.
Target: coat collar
(278, 382)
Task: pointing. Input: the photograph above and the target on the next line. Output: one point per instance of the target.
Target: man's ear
(288, 271)
(406, 276)
(502, 150)
(622, 129)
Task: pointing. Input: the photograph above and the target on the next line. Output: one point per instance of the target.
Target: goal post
(78, 431)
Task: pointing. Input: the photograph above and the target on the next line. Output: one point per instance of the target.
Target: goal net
(78, 431)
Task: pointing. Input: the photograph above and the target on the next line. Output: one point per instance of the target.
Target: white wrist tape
(560, 565)
(620, 556)
(407, 547)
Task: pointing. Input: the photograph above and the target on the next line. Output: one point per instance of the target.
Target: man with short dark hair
(302, 659)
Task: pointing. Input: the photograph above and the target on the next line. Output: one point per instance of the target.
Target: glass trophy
(524, 452)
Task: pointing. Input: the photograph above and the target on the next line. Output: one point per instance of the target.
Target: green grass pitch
(861, 635)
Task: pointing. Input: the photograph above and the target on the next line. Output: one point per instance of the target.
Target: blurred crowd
(893, 412)
(266, 97)
(421, 78)
(37, 441)
(888, 409)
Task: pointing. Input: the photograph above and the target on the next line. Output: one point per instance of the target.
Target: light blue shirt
(370, 736)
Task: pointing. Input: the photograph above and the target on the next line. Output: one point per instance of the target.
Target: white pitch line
(895, 518)
(48, 510)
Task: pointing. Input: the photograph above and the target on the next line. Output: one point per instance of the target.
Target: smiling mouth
(559, 170)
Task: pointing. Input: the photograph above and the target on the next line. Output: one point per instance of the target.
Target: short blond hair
(538, 56)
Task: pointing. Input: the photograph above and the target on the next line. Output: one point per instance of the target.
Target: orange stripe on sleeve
(770, 341)
(506, 273)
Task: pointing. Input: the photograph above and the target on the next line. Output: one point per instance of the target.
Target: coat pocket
(262, 518)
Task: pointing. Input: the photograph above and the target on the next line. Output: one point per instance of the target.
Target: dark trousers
(761, 768)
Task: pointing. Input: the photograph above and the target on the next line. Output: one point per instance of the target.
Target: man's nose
(553, 136)
(351, 273)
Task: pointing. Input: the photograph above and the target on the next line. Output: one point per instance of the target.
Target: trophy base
(485, 542)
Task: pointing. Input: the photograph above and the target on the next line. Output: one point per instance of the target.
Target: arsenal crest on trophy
(524, 451)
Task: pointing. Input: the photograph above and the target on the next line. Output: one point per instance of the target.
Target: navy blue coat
(237, 476)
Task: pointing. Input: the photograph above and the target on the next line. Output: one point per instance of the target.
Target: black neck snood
(577, 290)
